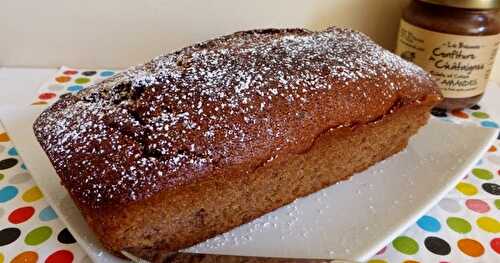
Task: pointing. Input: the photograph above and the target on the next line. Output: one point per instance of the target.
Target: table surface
(463, 227)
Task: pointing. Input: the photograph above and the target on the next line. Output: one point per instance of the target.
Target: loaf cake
(196, 142)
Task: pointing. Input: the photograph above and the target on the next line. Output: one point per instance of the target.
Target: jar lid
(469, 4)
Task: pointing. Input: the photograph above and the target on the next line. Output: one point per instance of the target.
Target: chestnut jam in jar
(455, 41)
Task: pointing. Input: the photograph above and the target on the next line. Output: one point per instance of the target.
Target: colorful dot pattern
(30, 230)
(69, 81)
(463, 227)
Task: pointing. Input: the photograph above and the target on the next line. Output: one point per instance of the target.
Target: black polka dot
(64, 95)
(498, 137)
(9, 235)
(475, 107)
(437, 246)
(439, 112)
(491, 188)
(89, 73)
(7, 163)
(65, 237)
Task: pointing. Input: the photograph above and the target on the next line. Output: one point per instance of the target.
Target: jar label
(461, 65)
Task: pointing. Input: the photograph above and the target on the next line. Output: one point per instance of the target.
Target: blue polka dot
(106, 73)
(23, 166)
(75, 88)
(479, 162)
(47, 214)
(429, 224)
(489, 124)
(12, 151)
(7, 193)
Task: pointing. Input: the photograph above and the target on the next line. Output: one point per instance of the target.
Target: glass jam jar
(456, 41)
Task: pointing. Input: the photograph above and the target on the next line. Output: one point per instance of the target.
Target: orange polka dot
(63, 79)
(471, 247)
(492, 148)
(460, 114)
(4, 137)
(26, 257)
(410, 261)
(32, 194)
(39, 103)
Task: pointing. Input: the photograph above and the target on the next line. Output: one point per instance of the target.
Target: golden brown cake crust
(179, 218)
(221, 108)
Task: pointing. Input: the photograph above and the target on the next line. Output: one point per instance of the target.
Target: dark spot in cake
(184, 61)
(301, 115)
(89, 73)
(441, 113)
(136, 92)
(121, 92)
(475, 107)
(137, 117)
(92, 97)
(398, 103)
(154, 153)
(200, 215)
(182, 152)
(166, 109)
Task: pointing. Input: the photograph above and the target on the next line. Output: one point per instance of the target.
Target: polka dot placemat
(463, 227)
(69, 81)
(29, 229)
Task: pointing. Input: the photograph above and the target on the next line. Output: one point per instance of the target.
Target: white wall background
(120, 33)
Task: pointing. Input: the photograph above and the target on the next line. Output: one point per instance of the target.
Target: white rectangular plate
(350, 220)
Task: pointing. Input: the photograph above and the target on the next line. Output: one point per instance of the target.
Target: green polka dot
(82, 80)
(38, 236)
(1, 176)
(497, 203)
(405, 245)
(480, 115)
(482, 174)
(459, 225)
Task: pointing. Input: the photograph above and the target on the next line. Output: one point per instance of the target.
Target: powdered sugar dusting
(232, 102)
